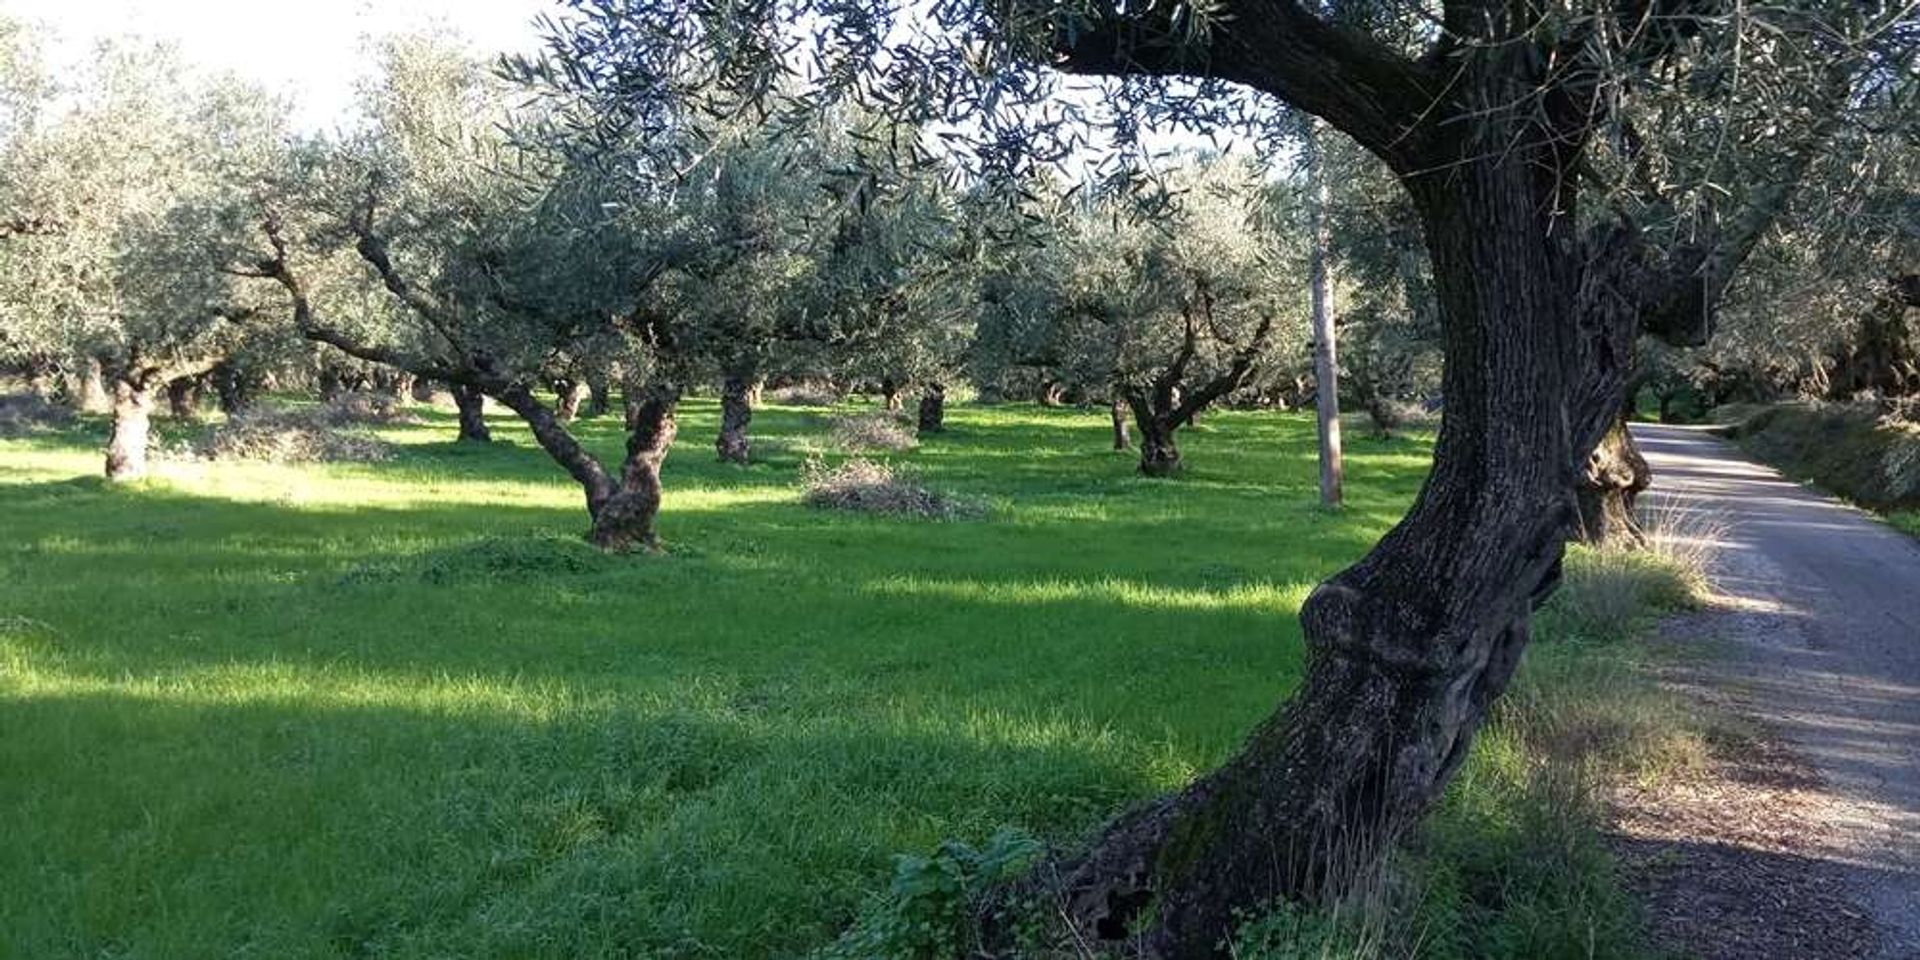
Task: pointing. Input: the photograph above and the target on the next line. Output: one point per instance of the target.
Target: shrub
(804, 395)
(364, 408)
(290, 436)
(24, 413)
(869, 486)
(873, 431)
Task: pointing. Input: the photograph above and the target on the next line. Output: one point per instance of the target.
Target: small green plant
(927, 911)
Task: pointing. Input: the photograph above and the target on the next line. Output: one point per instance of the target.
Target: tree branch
(1358, 85)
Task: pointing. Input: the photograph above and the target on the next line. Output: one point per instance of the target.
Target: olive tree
(1176, 312)
(142, 174)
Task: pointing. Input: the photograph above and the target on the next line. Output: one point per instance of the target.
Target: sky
(310, 51)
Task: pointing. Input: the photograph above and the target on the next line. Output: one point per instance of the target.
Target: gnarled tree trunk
(933, 408)
(1408, 647)
(1614, 477)
(624, 518)
(569, 395)
(132, 419)
(87, 388)
(472, 405)
(1050, 393)
(1120, 439)
(599, 397)
(183, 398)
(736, 412)
(1159, 454)
(233, 387)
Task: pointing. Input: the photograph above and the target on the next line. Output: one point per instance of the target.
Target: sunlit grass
(401, 709)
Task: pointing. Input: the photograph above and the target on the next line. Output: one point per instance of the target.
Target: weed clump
(804, 395)
(871, 486)
(873, 431)
(315, 435)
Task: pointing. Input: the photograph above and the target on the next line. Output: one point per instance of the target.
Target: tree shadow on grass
(193, 821)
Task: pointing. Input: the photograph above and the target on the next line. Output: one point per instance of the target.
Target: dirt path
(1821, 609)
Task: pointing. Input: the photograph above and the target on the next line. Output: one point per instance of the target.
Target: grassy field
(400, 709)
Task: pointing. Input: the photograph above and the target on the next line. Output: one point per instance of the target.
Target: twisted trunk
(569, 395)
(472, 405)
(1406, 648)
(1614, 477)
(933, 408)
(736, 411)
(1120, 439)
(132, 418)
(233, 387)
(624, 518)
(183, 398)
(87, 388)
(1159, 454)
(1050, 393)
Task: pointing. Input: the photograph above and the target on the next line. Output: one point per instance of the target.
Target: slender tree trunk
(1614, 478)
(736, 412)
(88, 389)
(625, 519)
(933, 408)
(569, 395)
(132, 417)
(1120, 413)
(233, 388)
(1407, 648)
(599, 397)
(472, 405)
(43, 377)
(183, 398)
(332, 385)
(1326, 362)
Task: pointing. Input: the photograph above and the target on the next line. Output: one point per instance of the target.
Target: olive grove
(1580, 173)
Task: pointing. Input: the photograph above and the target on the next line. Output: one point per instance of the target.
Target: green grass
(401, 710)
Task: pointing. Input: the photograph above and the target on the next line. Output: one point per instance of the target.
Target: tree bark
(933, 408)
(1407, 648)
(183, 398)
(88, 389)
(1326, 362)
(1120, 439)
(890, 395)
(736, 412)
(233, 388)
(1159, 454)
(599, 397)
(1050, 393)
(472, 405)
(1615, 476)
(568, 396)
(624, 519)
(132, 418)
